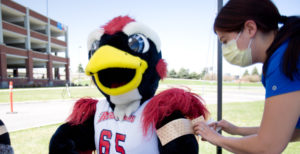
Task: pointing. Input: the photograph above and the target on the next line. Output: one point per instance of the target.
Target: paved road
(34, 114)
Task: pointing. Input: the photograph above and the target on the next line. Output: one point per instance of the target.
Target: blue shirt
(275, 82)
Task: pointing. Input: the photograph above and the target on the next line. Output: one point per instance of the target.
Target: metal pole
(220, 80)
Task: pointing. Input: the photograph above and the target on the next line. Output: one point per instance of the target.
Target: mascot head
(125, 63)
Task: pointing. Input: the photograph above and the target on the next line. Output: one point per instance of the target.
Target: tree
(254, 71)
(194, 75)
(183, 73)
(80, 69)
(246, 73)
(204, 72)
(172, 74)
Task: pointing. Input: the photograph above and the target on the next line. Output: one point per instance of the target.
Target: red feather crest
(117, 24)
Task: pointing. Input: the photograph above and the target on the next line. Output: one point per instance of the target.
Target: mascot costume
(126, 65)
(5, 147)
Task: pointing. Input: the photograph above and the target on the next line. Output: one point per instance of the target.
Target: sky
(185, 27)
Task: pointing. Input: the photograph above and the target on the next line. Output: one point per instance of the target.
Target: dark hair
(290, 30)
(264, 13)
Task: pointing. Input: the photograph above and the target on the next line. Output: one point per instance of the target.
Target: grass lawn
(183, 81)
(202, 82)
(59, 93)
(32, 141)
(36, 140)
(42, 94)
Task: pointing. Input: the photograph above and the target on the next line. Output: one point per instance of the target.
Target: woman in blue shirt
(248, 30)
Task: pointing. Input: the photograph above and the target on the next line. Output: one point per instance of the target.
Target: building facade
(33, 48)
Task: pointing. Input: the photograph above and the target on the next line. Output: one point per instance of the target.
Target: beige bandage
(176, 128)
(2, 130)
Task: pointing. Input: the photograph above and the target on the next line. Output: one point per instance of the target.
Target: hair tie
(283, 19)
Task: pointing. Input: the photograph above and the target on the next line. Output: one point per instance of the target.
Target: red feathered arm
(82, 110)
(174, 99)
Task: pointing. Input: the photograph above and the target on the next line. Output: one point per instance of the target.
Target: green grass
(36, 140)
(87, 81)
(201, 82)
(53, 93)
(43, 94)
(32, 141)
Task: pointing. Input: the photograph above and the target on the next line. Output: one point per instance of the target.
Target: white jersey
(122, 137)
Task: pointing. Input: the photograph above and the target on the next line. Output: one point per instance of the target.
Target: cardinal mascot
(125, 64)
(5, 147)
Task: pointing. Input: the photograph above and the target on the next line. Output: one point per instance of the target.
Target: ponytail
(283, 19)
(290, 30)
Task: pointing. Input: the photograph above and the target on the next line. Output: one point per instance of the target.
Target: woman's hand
(232, 129)
(207, 133)
(225, 126)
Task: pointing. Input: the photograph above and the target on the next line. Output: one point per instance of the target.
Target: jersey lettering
(110, 115)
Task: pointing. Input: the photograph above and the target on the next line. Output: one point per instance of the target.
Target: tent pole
(220, 80)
